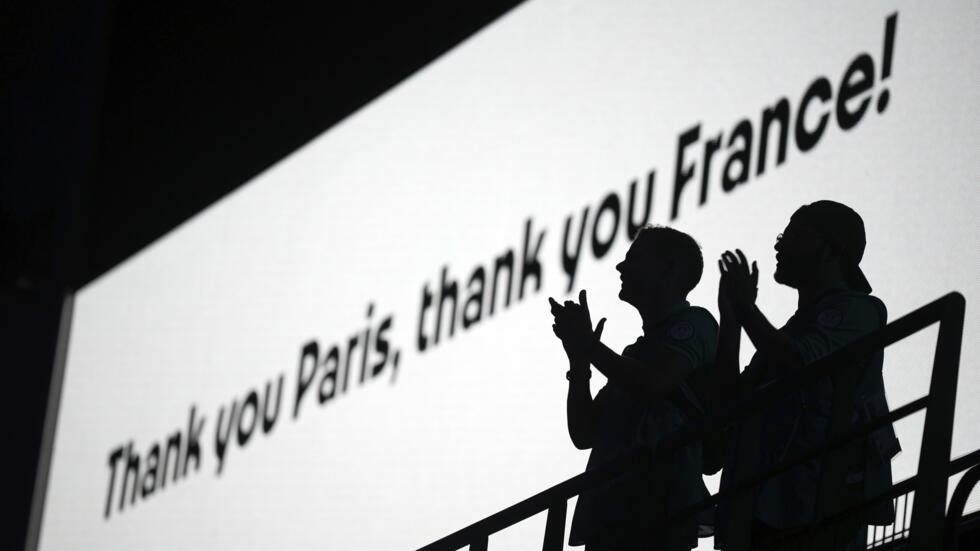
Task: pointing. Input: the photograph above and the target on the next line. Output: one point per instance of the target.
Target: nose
(619, 267)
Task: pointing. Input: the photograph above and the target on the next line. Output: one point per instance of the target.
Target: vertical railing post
(554, 529)
(929, 510)
(480, 543)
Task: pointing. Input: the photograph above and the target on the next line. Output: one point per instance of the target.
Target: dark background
(120, 120)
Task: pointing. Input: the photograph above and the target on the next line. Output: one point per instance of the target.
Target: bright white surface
(539, 115)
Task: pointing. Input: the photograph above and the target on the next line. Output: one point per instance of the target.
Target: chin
(625, 297)
(783, 278)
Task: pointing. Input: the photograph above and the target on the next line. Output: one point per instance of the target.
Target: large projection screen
(278, 351)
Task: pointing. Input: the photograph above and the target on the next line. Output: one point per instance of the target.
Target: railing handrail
(769, 393)
(938, 310)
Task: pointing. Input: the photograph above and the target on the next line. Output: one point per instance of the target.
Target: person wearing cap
(819, 255)
(653, 388)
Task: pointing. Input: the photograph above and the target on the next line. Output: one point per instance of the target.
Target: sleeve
(835, 325)
(694, 335)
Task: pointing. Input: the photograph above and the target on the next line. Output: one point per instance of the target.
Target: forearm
(629, 374)
(579, 406)
(776, 347)
(726, 374)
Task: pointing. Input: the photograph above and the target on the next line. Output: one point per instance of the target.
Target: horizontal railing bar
(770, 393)
(864, 428)
(964, 462)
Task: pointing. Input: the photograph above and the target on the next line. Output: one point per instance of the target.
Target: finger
(729, 259)
(599, 327)
(725, 266)
(583, 300)
(742, 260)
(724, 281)
(555, 307)
(755, 273)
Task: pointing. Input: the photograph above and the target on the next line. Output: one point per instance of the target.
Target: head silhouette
(823, 242)
(661, 266)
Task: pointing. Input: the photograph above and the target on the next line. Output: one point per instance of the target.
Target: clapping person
(651, 389)
(818, 255)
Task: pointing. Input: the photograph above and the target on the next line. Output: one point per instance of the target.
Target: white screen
(542, 114)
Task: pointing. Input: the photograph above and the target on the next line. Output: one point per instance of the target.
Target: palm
(573, 325)
(739, 284)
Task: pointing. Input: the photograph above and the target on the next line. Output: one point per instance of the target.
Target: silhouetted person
(818, 254)
(639, 403)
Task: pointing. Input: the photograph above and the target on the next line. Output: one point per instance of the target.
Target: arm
(778, 348)
(726, 373)
(573, 325)
(581, 410)
(640, 380)
(741, 287)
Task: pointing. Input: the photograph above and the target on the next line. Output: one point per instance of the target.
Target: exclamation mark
(886, 58)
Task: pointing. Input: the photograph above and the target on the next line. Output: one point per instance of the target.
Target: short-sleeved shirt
(625, 422)
(838, 317)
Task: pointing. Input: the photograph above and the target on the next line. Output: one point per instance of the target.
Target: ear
(671, 278)
(829, 259)
(827, 254)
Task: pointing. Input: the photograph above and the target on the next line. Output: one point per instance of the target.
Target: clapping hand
(573, 325)
(739, 286)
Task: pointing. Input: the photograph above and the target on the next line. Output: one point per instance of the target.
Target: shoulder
(850, 309)
(691, 321)
(693, 332)
(699, 314)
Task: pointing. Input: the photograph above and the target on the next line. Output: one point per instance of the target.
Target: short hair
(677, 247)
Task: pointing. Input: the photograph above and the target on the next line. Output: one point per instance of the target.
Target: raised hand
(573, 325)
(740, 283)
(726, 293)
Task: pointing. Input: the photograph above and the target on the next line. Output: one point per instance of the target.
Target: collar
(676, 307)
(835, 288)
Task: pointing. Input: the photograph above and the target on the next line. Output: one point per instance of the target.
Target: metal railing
(927, 528)
(898, 532)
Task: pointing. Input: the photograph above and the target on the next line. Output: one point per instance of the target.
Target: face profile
(638, 273)
(798, 254)
(823, 241)
(661, 266)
